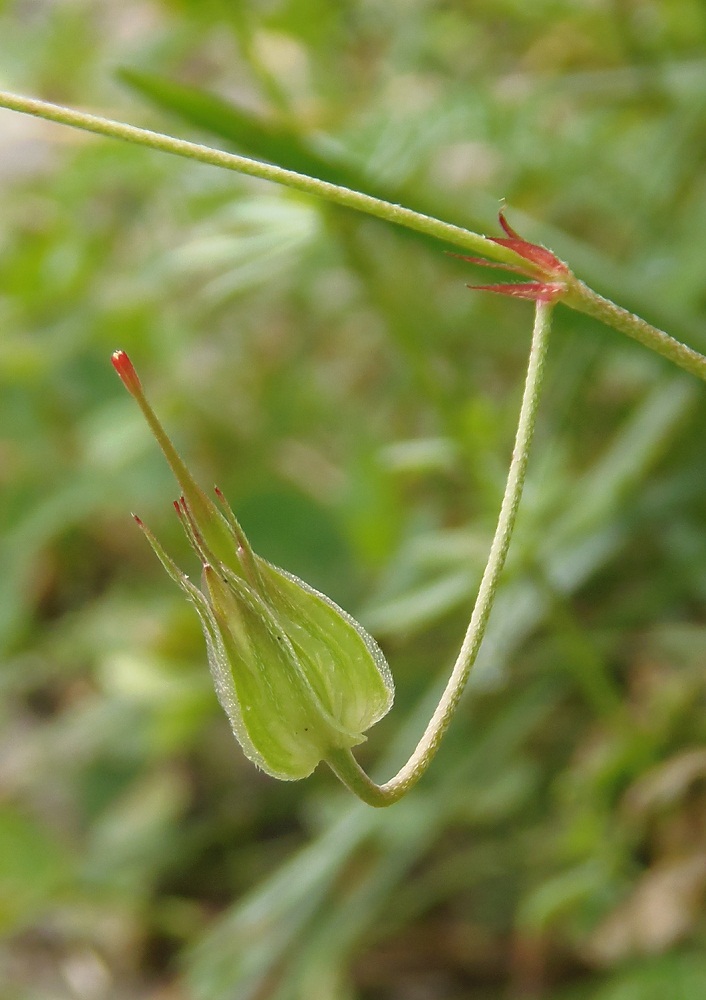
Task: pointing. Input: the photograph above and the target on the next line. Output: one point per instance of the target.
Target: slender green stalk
(397, 214)
(342, 762)
(582, 298)
(577, 295)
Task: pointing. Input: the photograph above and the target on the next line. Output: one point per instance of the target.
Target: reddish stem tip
(128, 376)
(138, 520)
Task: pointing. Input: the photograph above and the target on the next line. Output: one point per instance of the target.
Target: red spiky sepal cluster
(549, 274)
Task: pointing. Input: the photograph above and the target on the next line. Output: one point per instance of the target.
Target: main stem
(342, 762)
(577, 295)
(583, 299)
(455, 235)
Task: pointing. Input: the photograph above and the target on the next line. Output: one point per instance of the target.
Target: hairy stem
(342, 762)
(577, 295)
(582, 298)
(397, 214)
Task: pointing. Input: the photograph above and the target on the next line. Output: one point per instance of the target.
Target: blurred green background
(357, 405)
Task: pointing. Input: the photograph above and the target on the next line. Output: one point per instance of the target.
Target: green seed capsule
(296, 675)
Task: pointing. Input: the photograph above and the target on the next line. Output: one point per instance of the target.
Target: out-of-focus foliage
(357, 405)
